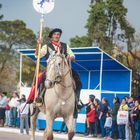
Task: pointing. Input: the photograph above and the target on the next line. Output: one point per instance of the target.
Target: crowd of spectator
(101, 119)
(14, 112)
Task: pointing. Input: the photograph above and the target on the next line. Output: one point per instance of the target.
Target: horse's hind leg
(70, 122)
(33, 123)
(48, 133)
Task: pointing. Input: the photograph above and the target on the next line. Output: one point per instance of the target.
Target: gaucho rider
(55, 35)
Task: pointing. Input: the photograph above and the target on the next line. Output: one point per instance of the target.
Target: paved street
(13, 136)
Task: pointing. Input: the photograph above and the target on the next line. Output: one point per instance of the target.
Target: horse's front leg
(48, 133)
(70, 122)
(33, 122)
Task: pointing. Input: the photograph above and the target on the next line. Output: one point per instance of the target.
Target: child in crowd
(108, 126)
(91, 119)
(88, 109)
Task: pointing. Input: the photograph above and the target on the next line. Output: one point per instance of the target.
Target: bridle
(58, 78)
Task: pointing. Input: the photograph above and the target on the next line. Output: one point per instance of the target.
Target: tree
(1, 16)
(107, 24)
(83, 41)
(45, 35)
(29, 65)
(13, 35)
(109, 29)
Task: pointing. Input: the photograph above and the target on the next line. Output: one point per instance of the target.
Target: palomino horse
(59, 100)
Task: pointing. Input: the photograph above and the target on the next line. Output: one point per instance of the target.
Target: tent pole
(101, 72)
(20, 76)
(89, 80)
(130, 83)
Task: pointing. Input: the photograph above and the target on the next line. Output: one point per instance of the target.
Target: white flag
(43, 6)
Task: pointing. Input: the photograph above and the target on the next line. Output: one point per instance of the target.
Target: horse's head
(55, 68)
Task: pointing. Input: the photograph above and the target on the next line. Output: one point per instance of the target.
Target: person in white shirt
(23, 111)
(108, 126)
(13, 103)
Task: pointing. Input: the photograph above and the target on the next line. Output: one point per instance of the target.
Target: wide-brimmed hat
(54, 31)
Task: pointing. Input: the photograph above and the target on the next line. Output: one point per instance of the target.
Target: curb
(40, 133)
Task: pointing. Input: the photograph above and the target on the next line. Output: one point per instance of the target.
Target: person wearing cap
(54, 45)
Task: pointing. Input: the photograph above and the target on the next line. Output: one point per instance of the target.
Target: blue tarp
(115, 76)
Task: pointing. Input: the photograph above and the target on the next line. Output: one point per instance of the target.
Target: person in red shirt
(91, 119)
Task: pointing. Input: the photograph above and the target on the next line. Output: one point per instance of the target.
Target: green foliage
(107, 24)
(13, 35)
(83, 41)
(29, 65)
(28, 71)
(1, 16)
(45, 35)
(109, 29)
(97, 22)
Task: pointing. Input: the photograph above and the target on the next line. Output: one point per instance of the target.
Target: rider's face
(56, 36)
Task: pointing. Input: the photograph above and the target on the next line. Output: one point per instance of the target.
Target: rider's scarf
(57, 44)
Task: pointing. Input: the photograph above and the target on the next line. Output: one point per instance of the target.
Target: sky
(69, 15)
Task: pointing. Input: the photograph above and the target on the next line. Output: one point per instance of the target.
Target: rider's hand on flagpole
(39, 42)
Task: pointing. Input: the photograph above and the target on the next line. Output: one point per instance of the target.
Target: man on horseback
(54, 46)
(62, 93)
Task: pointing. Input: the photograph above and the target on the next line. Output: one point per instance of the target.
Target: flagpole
(38, 56)
(42, 7)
